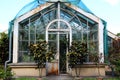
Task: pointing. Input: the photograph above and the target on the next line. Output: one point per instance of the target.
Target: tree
(4, 47)
(39, 51)
(118, 34)
(114, 56)
(77, 54)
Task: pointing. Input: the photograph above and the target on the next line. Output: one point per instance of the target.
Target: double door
(60, 41)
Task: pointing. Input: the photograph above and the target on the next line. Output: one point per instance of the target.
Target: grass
(103, 79)
(25, 78)
(89, 79)
(112, 79)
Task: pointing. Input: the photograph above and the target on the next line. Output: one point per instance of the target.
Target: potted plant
(39, 51)
(77, 55)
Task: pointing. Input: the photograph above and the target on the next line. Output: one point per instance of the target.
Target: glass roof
(32, 5)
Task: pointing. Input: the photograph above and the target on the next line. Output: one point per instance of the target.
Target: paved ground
(60, 77)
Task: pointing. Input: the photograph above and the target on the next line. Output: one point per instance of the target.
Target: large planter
(26, 69)
(52, 68)
(88, 70)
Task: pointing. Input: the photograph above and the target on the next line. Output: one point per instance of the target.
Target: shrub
(5, 75)
(77, 53)
(114, 56)
(39, 51)
(4, 47)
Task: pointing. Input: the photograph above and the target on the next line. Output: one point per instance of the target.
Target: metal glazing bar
(87, 40)
(58, 47)
(59, 30)
(29, 32)
(71, 19)
(35, 33)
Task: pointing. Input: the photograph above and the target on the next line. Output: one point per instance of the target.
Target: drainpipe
(10, 39)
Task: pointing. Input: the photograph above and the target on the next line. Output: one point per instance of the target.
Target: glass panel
(75, 26)
(40, 36)
(54, 25)
(76, 36)
(93, 40)
(52, 36)
(52, 41)
(63, 51)
(66, 15)
(24, 26)
(40, 27)
(23, 35)
(52, 15)
(52, 44)
(23, 45)
(32, 36)
(32, 28)
(40, 30)
(25, 57)
(63, 25)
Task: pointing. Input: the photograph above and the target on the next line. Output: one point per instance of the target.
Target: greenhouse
(56, 22)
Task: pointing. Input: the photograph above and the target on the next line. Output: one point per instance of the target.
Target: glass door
(64, 44)
(59, 35)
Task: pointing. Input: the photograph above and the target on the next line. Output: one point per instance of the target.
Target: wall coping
(23, 65)
(34, 65)
(91, 65)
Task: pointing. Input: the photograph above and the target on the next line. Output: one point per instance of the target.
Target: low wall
(26, 69)
(29, 69)
(88, 70)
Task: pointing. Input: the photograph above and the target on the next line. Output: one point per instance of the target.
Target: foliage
(77, 53)
(50, 54)
(118, 34)
(114, 56)
(94, 57)
(39, 51)
(5, 75)
(4, 47)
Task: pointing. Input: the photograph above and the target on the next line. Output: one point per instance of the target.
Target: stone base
(30, 69)
(26, 69)
(88, 70)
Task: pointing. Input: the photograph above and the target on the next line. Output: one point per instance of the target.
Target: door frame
(58, 30)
